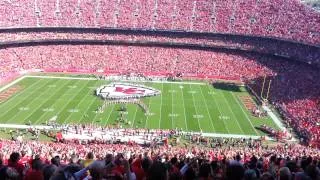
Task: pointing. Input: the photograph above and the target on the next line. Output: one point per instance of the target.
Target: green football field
(192, 106)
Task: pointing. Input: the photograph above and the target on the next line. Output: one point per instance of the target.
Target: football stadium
(160, 89)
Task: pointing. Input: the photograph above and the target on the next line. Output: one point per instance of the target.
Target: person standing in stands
(89, 159)
(35, 173)
(14, 163)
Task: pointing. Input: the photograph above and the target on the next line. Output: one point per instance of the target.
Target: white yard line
(79, 121)
(235, 117)
(88, 107)
(171, 107)
(35, 109)
(113, 105)
(51, 104)
(23, 98)
(184, 110)
(83, 98)
(13, 117)
(66, 103)
(219, 112)
(11, 84)
(195, 107)
(160, 106)
(147, 118)
(205, 102)
(246, 115)
(135, 114)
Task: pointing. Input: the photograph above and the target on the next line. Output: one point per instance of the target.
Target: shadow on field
(226, 86)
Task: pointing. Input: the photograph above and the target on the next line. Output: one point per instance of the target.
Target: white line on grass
(94, 79)
(25, 99)
(66, 103)
(235, 118)
(276, 120)
(36, 108)
(205, 102)
(88, 107)
(149, 105)
(61, 77)
(219, 113)
(51, 104)
(11, 84)
(184, 110)
(85, 111)
(160, 107)
(195, 107)
(147, 118)
(113, 105)
(171, 107)
(96, 115)
(246, 115)
(83, 98)
(135, 115)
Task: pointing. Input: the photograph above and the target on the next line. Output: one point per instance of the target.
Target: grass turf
(192, 107)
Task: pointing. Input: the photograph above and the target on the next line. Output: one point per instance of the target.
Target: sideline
(92, 79)
(11, 83)
(275, 119)
(21, 126)
(279, 123)
(60, 77)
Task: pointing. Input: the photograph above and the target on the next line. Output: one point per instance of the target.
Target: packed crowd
(123, 59)
(227, 159)
(304, 53)
(276, 18)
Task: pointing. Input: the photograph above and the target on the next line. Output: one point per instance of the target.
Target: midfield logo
(130, 90)
(125, 91)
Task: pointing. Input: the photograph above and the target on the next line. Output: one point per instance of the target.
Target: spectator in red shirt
(35, 173)
(137, 169)
(14, 163)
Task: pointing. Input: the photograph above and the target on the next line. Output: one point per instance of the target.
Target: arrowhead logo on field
(125, 91)
(130, 90)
